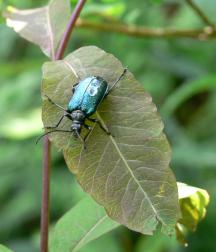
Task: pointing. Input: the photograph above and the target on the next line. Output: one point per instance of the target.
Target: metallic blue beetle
(87, 95)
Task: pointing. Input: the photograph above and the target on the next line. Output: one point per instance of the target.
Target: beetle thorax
(78, 115)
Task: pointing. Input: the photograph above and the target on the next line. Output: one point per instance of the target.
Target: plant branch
(138, 31)
(45, 196)
(200, 13)
(47, 145)
(70, 27)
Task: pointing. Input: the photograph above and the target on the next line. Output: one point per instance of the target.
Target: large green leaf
(193, 202)
(83, 223)
(127, 172)
(42, 26)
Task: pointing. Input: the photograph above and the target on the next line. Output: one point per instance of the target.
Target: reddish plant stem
(47, 145)
(45, 195)
(68, 31)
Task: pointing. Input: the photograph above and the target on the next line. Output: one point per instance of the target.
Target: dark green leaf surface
(83, 223)
(128, 172)
(42, 26)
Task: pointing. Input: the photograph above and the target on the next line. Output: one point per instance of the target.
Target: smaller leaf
(193, 202)
(82, 224)
(4, 249)
(88, 220)
(42, 26)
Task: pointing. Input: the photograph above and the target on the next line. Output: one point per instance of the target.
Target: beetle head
(76, 128)
(77, 120)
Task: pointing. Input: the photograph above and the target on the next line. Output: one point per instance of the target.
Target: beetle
(87, 95)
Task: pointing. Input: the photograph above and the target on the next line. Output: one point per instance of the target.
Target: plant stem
(45, 196)
(200, 13)
(70, 27)
(141, 32)
(47, 145)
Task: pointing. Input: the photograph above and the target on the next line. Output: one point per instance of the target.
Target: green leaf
(83, 223)
(156, 1)
(42, 26)
(4, 249)
(76, 228)
(186, 91)
(193, 202)
(127, 172)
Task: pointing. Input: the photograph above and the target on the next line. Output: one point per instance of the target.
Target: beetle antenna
(119, 78)
(56, 130)
(40, 137)
(57, 105)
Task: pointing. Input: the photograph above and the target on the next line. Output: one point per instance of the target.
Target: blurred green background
(165, 67)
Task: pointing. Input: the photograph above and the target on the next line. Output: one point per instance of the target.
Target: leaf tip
(9, 14)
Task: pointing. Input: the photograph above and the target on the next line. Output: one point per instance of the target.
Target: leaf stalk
(45, 206)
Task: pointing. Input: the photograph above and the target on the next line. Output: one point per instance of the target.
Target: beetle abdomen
(88, 95)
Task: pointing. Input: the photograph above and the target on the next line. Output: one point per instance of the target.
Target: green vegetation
(175, 64)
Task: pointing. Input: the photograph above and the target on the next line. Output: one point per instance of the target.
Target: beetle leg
(100, 124)
(119, 78)
(89, 128)
(59, 130)
(73, 88)
(57, 124)
(82, 139)
(59, 106)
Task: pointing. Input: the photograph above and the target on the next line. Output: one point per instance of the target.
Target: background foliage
(180, 75)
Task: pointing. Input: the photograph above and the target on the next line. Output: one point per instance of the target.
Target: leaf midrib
(89, 232)
(129, 169)
(50, 32)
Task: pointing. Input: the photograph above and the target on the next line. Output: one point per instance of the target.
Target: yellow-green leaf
(4, 249)
(193, 202)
